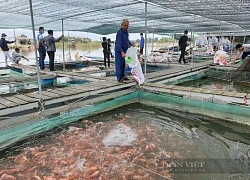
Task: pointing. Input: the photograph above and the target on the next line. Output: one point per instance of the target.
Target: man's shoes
(52, 70)
(126, 79)
(185, 62)
(123, 81)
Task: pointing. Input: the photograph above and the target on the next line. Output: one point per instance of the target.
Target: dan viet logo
(186, 166)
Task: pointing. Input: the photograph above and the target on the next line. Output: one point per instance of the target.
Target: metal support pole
(173, 43)
(244, 40)
(232, 45)
(37, 64)
(146, 21)
(69, 47)
(107, 50)
(190, 46)
(15, 37)
(209, 38)
(220, 38)
(153, 40)
(193, 44)
(63, 46)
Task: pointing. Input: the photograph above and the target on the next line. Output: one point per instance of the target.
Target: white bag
(221, 58)
(135, 65)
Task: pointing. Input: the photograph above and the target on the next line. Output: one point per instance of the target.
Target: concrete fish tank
(129, 140)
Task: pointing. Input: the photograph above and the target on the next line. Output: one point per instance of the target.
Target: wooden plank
(207, 91)
(197, 90)
(187, 88)
(69, 90)
(37, 96)
(89, 87)
(53, 95)
(2, 106)
(227, 93)
(57, 91)
(217, 91)
(60, 91)
(178, 87)
(16, 100)
(26, 98)
(240, 95)
(7, 102)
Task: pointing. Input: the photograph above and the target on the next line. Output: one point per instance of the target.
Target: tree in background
(167, 40)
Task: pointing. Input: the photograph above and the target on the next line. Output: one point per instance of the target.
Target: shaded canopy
(104, 16)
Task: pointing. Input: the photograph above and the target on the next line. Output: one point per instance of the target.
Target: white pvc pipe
(244, 40)
(173, 44)
(146, 21)
(37, 64)
(220, 37)
(153, 40)
(63, 46)
(231, 47)
(15, 37)
(69, 45)
(193, 44)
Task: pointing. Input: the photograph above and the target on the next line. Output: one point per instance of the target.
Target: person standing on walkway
(4, 46)
(122, 44)
(183, 44)
(141, 43)
(50, 46)
(106, 51)
(41, 48)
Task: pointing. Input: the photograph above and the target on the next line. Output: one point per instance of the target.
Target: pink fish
(7, 177)
(9, 171)
(36, 178)
(95, 174)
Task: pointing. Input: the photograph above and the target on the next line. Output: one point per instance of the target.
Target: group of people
(122, 43)
(44, 44)
(47, 44)
(243, 51)
(16, 56)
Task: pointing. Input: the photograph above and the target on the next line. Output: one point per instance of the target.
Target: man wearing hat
(4, 47)
(141, 44)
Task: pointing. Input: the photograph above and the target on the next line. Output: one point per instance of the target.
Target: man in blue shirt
(121, 46)
(41, 48)
(141, 44)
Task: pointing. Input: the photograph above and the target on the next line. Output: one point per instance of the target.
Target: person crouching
(16, 56)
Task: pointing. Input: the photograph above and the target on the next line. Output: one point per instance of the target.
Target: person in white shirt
(243, 51)
(16, 57)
